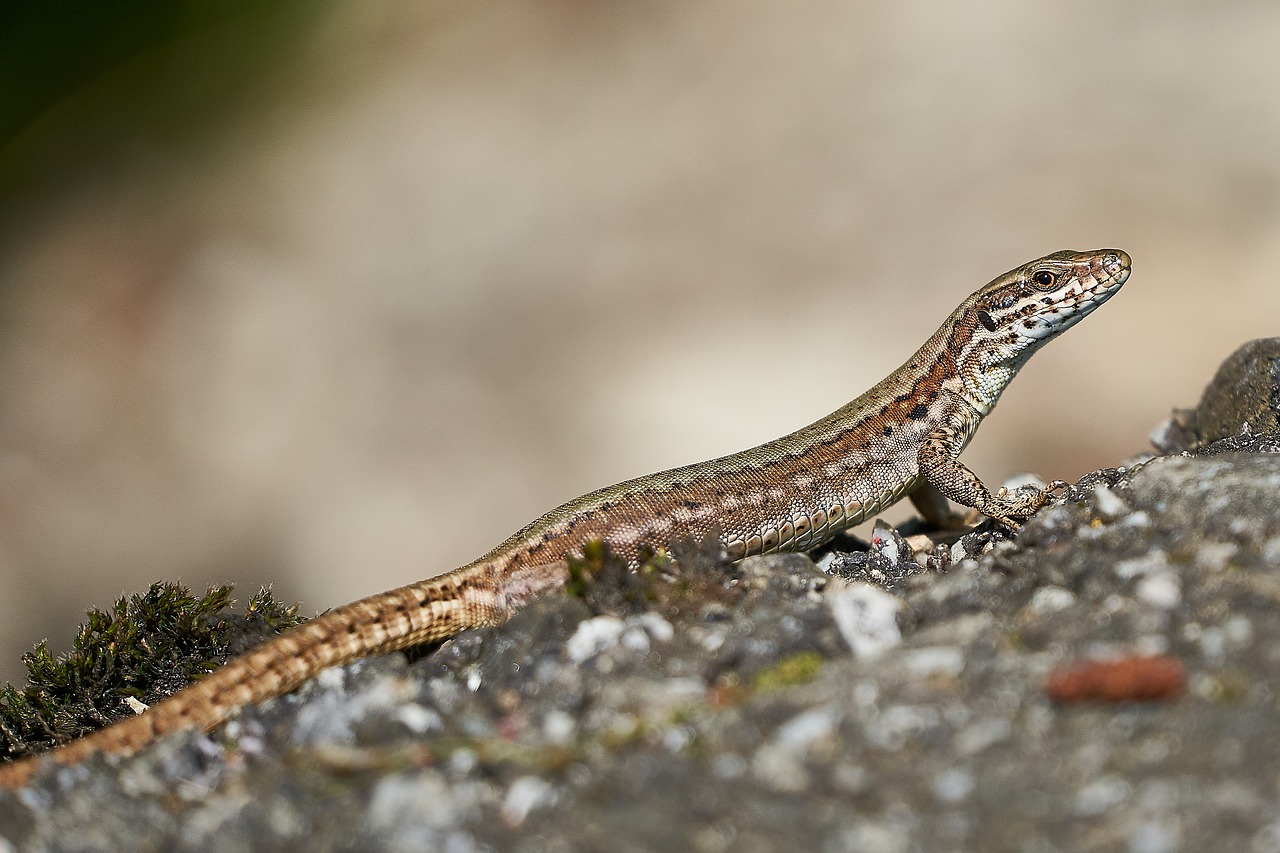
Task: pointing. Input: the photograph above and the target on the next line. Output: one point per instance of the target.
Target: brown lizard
(900, 438)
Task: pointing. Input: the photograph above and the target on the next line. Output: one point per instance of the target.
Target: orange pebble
(1132, 679)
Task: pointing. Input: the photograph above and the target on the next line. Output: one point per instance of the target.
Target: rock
(720, 707)
(1243, 397)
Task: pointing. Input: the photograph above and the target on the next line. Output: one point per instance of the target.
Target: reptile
(901, 438)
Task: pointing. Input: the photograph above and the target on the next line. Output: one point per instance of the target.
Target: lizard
(901, 438)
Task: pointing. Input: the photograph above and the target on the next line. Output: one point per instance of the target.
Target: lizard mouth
(1096, 280)
(1107, 272)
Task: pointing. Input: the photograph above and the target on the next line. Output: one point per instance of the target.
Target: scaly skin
(792, 494)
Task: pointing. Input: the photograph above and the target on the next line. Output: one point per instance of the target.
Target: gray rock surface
(723, 708)
(1242, 398)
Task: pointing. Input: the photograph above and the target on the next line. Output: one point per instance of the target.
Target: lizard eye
(1044, 278)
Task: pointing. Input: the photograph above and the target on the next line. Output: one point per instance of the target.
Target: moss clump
(146, 647)
(602, 580)
(799, 668)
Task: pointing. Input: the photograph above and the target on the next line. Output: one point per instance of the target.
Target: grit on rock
(716, 707)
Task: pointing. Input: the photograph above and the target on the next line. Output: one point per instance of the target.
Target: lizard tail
(435, 609)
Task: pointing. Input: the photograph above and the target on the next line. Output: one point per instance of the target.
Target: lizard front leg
(954, 479)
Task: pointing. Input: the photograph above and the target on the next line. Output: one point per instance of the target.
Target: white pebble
(1153, 837)
(1162, 590)
(980, 735)
(558, 727)
(1108, 503)
(1150, 563)
(417, 719)
(806, 727)
(953, 786)
(934, 661)
(525, 794)
(1101, 795)
(1051, 599)
(1215, 555)
(866, 615)
(594, 636)
(1239, 630)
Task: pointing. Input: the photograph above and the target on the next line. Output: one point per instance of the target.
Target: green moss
(603, 581)
(799, 668)
(146, 647)
(582, 571)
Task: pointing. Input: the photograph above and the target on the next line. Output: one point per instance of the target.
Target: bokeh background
(336, 296)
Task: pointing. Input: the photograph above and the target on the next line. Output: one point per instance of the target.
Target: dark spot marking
(987, 323)
(888, 430)
(918, 412)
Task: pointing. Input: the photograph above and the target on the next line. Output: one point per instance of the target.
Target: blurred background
(337, 296)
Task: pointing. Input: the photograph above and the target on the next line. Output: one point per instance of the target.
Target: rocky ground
(1107, 679)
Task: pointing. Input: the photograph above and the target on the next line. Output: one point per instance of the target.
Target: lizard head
(1027, 307)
